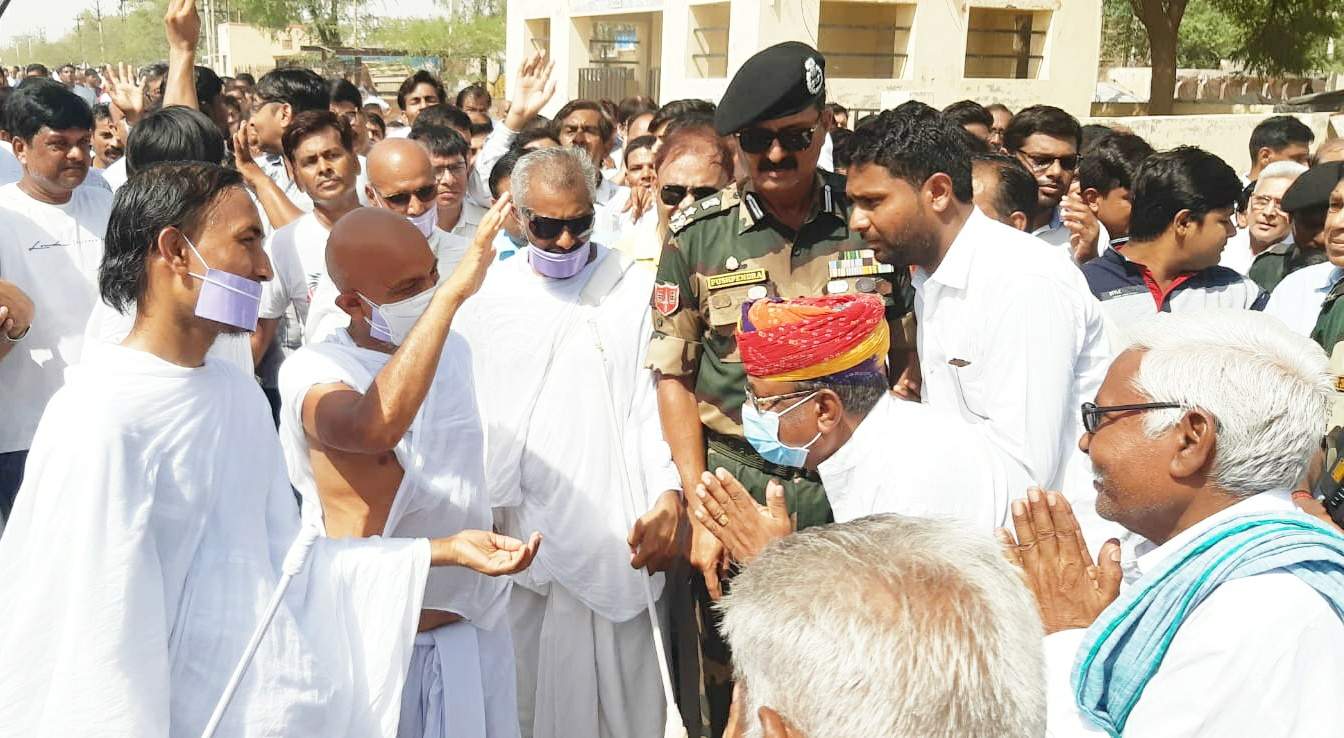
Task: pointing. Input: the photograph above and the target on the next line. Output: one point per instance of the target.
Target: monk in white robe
(575, 450)
(415, 464)
(156, 514)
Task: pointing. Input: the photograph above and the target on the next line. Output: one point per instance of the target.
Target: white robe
(145, 544)
(553, 359)
(462, 674)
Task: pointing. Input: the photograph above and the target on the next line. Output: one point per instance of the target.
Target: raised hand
(638, 203)
(485, 552)
(470, 272)
(532, 90)
(653, 538)
(127, 94)
(1071, 591)
(1084, 228)
(730, 514)
(183, 25)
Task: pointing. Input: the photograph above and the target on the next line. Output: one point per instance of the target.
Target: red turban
(813, 337)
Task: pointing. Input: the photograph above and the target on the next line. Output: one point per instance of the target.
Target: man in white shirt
(400, 179)
(1046, 140)
(1308, 299)
(448, 154)
(575, 450)
(1231, 620)
(320, 149)
(382, 437)
(824, 401)
(280, 95)
(51, 242)
(1267, 222)
(1009, 336)
(153, 526)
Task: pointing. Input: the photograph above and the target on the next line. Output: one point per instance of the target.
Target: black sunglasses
(402, 199)
(1040, 163)
(1092, 412)
(674, 194)
(548, 228)
(759, 140)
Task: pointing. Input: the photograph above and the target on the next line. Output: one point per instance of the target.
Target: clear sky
(28, 16)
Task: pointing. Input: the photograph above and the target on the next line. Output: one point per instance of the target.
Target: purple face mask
(226, 297)
(559, 265)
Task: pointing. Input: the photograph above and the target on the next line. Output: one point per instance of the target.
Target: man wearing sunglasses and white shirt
(781, 232)
(558, 336)
(400, 179)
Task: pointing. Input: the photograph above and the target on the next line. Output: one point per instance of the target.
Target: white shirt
(109, 326)
(1011, 339)
(496, 145)
(1298, 297)
(469, 219)
(115, 174)
(52, 253)
(10, 168)
(917, 460)
(298, 254)
(1262, 656)
(1237, 253)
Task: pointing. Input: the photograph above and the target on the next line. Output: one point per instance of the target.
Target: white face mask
(392, 322)
(425, 221)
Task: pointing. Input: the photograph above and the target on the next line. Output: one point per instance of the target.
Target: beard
(914, 245)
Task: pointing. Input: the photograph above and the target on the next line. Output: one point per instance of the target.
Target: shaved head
(380, 255)
(398, 167)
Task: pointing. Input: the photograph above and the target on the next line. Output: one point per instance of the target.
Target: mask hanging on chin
(225, 297)
(392, 321)
(425, 221)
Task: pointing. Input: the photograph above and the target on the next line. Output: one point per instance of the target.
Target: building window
(707, 45)
(1005, 44)
(538, 35)
(864, 40)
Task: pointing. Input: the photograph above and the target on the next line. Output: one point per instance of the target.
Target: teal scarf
(1125, 646)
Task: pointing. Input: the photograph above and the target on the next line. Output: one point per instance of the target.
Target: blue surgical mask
(762, 432)
(225, 297)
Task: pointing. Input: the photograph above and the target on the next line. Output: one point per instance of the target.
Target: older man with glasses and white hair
(1231, 620)
(918, 629)
(558, 336)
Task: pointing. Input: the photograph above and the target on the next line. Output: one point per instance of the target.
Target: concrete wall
(244, 47)
(932, 71)
(1224, 135)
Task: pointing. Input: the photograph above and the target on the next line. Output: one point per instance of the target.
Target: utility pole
(98, 15)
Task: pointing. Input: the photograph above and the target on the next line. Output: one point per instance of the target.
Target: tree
(464, 44)
(134, 36)
(321, 16)
(1264, 36)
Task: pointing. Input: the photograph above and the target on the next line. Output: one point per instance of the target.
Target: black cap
(774, 83)
(1312, 189)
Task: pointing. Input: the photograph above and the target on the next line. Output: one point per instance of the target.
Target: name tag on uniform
(732, 279)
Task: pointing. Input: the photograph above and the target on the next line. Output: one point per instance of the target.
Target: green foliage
(1260, 36)
(322, 17)
(135, 38)
(461, 43)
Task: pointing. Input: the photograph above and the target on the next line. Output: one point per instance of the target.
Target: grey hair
(560, 167)
(888, 626)
(1286, 169)
(1266, 387)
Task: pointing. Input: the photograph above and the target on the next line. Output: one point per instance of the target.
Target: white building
(878, 54)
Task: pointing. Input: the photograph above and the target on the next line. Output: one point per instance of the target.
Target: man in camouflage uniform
(782, 232)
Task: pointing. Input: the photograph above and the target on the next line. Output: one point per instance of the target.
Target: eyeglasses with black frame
(1041, 162)
(1092, 412)
(402, 199)
(547, 229)
(673, 194)
(759, 140)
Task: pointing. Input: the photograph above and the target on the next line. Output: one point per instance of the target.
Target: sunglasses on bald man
(550, 228)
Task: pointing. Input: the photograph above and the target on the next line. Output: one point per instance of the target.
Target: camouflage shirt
(1278, 261)
(727, 249)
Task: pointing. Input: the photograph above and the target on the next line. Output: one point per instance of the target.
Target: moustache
(788, 164)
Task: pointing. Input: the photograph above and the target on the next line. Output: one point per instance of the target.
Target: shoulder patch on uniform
(725, 200)
(666, 298)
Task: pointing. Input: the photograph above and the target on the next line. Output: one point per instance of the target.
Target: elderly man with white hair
(919, 629)
(1308, 299)
(574, 450)
(1231, 620)
(1266, 221)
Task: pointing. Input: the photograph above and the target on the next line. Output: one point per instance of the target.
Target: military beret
(1312, 189)
(774, 83)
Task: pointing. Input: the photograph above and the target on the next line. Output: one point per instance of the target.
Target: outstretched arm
(183, 26)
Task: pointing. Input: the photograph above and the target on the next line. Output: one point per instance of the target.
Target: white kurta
(1011, 339)
(1298, 297)
(943, 472)
(1262, 656)
(131, 581)
(462, 675)
(552, 359)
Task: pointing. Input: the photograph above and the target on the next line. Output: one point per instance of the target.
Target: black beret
(1312, 189)
(774, 83)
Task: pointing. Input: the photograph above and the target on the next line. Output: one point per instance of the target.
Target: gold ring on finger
(721, 519)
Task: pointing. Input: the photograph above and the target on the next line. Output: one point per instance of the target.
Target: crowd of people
(324, 416)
